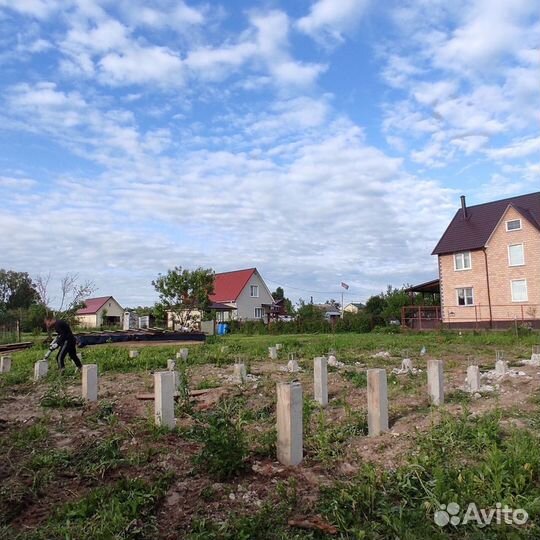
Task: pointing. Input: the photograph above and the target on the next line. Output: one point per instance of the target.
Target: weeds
(56, 396)
(124, 510)
(224, 450)
(462, 460)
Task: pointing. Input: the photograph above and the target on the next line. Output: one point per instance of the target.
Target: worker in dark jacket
(65, 341)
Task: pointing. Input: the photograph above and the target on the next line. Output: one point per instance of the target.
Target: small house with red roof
(489, 263)
(238, 295)
(246, 292)
(102, 311)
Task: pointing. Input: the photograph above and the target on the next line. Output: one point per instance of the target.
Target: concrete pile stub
(435, 381)
(292, 366)
(290, 449)
(535, 355)
(164, 382)
(473, 379)
(240, 372)
(90, 382)
(171, 366)
(279, 346)
(320, 380)
(377, 401)
(182, 354)
(133, 353)
(5, 363)
(501, 367)
(272, 353)
(41, 367)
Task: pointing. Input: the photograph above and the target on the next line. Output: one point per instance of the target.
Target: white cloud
(142, 65)
(328, 20)
(491, 29)
(519, 148)
(328, 195)
(40, 9)
(17, 183)
(176, 15)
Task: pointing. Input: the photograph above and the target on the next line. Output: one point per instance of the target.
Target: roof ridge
(502, 200)
(233, 271)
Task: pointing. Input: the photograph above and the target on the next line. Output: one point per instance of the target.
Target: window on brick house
(254, 291)
(462, 261)
(259, 313)
(516, 256)
(519, 290)
(513, 225)
(465, 296)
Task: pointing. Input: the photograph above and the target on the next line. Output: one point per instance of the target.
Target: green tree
(185, 292)
(308, 312)
(395, 300)
(17, 291)
(279, 294)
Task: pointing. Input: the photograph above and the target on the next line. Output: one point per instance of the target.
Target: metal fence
(477, 316)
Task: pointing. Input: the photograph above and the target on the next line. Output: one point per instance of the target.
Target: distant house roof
(93, 305)
(357, 305)
(473, 232)
(218, 306)
(328, 308)
(229, 285)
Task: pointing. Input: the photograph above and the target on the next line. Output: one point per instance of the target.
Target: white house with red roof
(103, 311)
(246, 292)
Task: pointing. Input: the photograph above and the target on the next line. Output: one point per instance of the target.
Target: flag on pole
(344, 285)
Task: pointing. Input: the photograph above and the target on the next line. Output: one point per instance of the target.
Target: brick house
(489, 263)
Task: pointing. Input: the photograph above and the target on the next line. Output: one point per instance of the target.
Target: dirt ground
(188, 495)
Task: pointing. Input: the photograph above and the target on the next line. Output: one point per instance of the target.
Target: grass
(464, 458)
(122, 510)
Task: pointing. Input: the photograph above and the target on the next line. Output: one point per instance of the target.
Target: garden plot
(215, 475)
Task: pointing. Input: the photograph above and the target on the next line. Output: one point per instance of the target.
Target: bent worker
(65, 341)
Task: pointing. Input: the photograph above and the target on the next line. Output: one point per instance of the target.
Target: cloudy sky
(318, 140)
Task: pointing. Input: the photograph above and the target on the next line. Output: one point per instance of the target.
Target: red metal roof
(93, 305)
(464, 234)
(229, 285)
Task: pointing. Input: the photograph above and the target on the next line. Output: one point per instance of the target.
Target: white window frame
(512, 221)
(522, 263)
(465, 297)
(251, 288)
(261, 311)
(512, 281)
(462, 253)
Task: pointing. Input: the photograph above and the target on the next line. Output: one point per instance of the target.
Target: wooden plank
(192, 393)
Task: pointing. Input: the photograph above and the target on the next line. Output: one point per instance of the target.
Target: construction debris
(406, 367)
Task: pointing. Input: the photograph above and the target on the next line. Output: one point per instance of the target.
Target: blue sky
(320, 141)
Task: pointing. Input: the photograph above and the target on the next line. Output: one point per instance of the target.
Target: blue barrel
(220, 329)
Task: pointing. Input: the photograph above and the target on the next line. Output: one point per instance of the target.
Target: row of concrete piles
(290, 403)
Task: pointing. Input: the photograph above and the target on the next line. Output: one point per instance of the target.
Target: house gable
(472, 232)
(246, 304)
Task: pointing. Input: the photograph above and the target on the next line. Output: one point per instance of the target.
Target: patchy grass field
(71, 470)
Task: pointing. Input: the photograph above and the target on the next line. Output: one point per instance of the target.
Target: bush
(225, 449)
